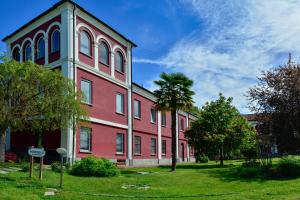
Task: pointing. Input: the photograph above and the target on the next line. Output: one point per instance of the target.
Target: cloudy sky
(221, 45)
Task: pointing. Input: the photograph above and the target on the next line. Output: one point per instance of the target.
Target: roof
(56, 6)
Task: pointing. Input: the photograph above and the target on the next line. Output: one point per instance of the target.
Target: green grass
(200, 181)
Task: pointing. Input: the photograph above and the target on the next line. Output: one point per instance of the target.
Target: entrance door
(182, 152)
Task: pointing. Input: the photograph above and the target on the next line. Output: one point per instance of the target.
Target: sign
(37, 152)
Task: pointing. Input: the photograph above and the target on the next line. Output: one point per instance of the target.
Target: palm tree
(174, 94)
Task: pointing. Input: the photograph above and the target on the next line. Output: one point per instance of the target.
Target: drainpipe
(74, 67)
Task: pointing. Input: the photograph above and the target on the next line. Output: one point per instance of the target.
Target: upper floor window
(16, 54)
(119, 62)
(104, 53)
(120, 103)
(153, 115)
(27, 52)
(86, 88)
(85, 43)
(137, 108)
(163, 119)
(41, 48)
(55, 41)
(181, 124)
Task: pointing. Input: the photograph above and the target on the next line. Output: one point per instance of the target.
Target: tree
(276, 102)
(220, 129)
(35, 98)
(174, 94)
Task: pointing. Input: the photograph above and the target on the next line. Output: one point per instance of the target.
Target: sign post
(36, 152)
(62, 152)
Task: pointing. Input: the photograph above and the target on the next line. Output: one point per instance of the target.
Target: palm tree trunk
(173, 129)
(2, 145)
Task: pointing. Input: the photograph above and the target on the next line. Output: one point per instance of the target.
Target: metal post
(41, 168)
(61, 170)
(31, 164)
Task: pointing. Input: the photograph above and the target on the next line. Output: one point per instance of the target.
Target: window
(41, 48)
(137, 145)
(119, 62)
(181, 124)
(153, 146)
(27, 52)
(85, 43)
(153, 115)
(163, 119)
(120, 103)
(85, 139)
(55, 41)
(16, 54)
(164, 147)
(120, 143)
(104, 53)
(137, 109)
(86, 88)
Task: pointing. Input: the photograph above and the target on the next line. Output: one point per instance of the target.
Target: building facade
(123, 124)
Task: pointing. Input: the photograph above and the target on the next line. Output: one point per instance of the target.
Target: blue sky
(221, 45)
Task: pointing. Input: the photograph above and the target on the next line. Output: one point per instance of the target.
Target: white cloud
(234, 42)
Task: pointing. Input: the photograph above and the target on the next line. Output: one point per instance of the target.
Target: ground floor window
(164, 147)
(137, 145)
(85, 139)
(120, 143)
(153, 146)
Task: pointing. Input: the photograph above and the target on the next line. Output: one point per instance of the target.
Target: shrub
(55, 166)
(288, 167)
(202, 159)
(24, 167)
(91, 166)
(249, 172)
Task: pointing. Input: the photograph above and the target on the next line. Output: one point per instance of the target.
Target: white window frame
(89, 53)
(164, 119)
(140, 145)
(164, 144)
(89, 139)
(38, 48)
(122, 70)
(25, 52)
(122, 103)
(52, 41)
(107, 48)
(181, 124)
(137, 113)
(153, 115)
(122, 143)
(89, 99)
(155, 146)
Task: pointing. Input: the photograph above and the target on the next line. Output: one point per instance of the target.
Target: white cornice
(108, 123)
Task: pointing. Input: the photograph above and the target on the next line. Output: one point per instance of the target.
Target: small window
(55, 41)
(41, 48)
(163, 119)
(85, 139)
(27, 52)
(153, 146)
(137, 109)
(137, 145)
(119, 62)
(164, 147)
(104, 53)
(153, 115)
(120, 143)
(86, 88)
(16, 54)
(120, 103)
(181, 124)
(85, 43)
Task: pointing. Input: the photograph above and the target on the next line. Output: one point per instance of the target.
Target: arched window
(55, 41)
(16, 54)
(104, 53)
(85, 43)
(119, 62)
(27, 52)
(41, 48)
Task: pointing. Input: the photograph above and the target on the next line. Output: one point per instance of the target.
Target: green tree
(174, 94)
(220, 129)
(36, 98)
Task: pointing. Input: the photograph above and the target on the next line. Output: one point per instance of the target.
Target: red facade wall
(103, 142)
(104, 98)
(169, 147)
(145, 146)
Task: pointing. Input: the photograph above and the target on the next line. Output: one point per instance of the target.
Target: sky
(221, 45)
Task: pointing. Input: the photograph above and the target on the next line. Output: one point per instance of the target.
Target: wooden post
(41, 168)
(31, 164)
(61, 170)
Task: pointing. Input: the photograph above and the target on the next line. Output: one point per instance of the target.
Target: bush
(249, 172)
(55, 166)
(202, 159)
(288, 167)
(91, 166)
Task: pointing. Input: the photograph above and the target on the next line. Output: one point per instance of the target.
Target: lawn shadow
(196, 166)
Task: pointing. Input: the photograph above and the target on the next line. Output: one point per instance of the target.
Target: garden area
(190, 181)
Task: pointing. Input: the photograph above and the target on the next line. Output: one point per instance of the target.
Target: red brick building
(124, 126)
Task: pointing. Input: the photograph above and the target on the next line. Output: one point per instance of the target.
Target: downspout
(74, 68)
(131, 109)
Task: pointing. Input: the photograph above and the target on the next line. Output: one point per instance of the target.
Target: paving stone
(49, 193)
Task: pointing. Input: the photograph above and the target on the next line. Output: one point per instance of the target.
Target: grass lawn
(190, 181)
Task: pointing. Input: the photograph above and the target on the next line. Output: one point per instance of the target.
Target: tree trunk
(2, 145)
(173, 129)
(221, 155)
